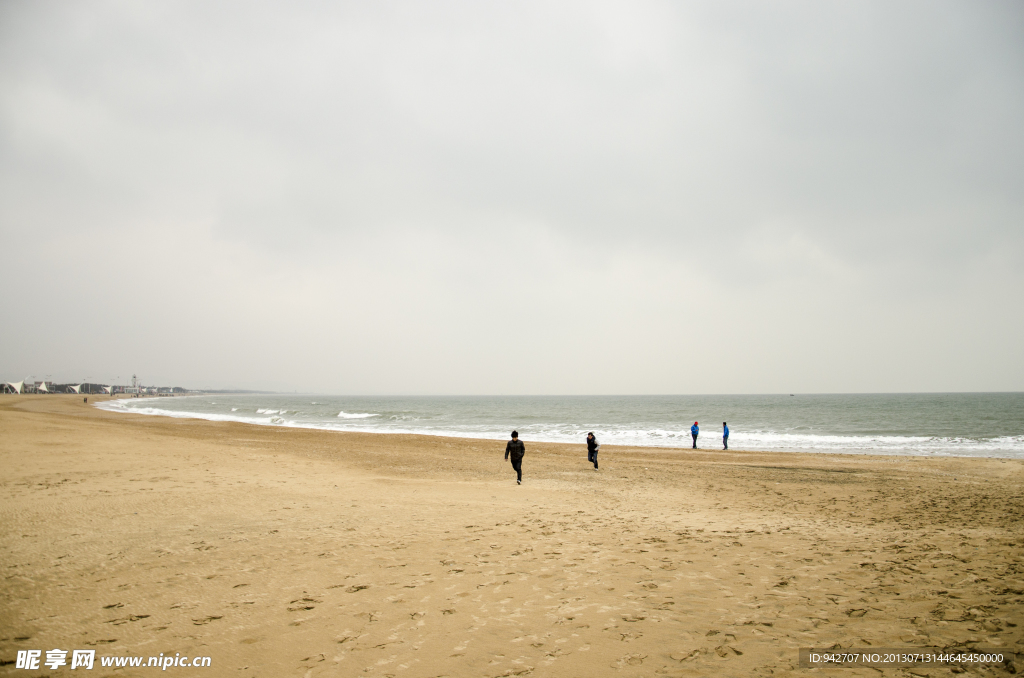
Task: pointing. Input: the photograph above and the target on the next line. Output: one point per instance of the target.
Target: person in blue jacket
(725, 435)
(694, 430)
(593, 447)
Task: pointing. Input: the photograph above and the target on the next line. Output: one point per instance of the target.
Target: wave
(758, 439)
(117, 406)
(804, 442)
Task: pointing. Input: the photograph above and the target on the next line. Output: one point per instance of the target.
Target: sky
(514, 198)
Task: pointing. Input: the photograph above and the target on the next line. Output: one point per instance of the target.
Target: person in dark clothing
(592, 448)
(515, 449)
(725, 435)
(694, 430)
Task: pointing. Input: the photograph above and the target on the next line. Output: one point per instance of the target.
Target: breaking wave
(492, 419)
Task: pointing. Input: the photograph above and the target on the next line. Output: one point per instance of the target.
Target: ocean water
(958, 424)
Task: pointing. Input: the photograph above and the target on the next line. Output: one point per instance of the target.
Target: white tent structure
(41, 387)
(76, 389)
(109, 389)
(16, 386)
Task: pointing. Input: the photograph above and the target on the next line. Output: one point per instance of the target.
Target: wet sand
(288, 552)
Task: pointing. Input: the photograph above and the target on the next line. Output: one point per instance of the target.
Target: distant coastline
(46, 387)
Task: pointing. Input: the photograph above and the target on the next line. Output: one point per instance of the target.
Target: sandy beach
(290, 552)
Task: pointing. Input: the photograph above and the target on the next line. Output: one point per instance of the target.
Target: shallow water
(961, 424)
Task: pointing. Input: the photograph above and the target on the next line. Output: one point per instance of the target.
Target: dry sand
(285, 552)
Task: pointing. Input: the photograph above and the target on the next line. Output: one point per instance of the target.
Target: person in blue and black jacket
(694, 430)
(593, 447)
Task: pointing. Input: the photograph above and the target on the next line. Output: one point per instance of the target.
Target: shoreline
(283, 550)
(856, 451)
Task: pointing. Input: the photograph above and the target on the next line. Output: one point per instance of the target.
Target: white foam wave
(766, 440)
(117, 406)
(1012, 446)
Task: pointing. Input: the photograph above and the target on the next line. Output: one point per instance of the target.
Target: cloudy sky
(527, 197)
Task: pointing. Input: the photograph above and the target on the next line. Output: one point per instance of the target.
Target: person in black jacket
(515, 449)
(592, 448)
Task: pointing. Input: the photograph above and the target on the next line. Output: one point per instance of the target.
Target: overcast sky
(514, 198)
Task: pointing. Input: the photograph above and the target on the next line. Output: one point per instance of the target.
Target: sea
(918, 424)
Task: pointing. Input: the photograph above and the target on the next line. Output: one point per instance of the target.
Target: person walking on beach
(694, 430)
(592, 448)
(725, 435)
(515, 449)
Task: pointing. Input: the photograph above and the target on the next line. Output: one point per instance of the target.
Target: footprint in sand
(129, 618)
(629, 660)
(724, 651)
(206, 620)
(303, 604)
